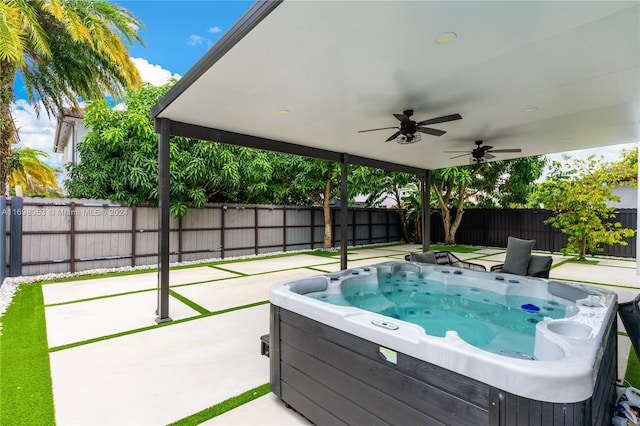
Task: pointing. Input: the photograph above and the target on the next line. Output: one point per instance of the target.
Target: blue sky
(176, 35)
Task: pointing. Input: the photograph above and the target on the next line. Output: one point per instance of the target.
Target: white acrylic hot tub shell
(567, 377)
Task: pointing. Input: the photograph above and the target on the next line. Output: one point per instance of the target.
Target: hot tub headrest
(569, 292)
(405, 267)
(309, 285)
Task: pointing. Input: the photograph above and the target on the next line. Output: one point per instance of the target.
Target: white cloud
(215, 30)
(196, 40)
(35, 131)
(609, 153)
(153, 74)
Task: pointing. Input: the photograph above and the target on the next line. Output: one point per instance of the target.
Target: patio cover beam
(194, 131)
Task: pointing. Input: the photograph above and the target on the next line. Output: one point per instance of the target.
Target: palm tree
(35, 176)
(63, 50)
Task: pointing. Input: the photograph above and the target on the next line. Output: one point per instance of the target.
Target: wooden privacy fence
(65, 235)
(492, 227)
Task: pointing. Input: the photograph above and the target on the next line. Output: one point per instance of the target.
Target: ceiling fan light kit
(408, 138)
(409, 130)
(481, 153)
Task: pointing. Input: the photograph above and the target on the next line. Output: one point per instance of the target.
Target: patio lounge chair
(520, 261)
(443, 258)
(630, 315)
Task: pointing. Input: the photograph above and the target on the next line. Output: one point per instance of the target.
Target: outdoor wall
(64, 235)
(68, 235)
(492, 227)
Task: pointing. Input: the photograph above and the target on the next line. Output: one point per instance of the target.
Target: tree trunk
(449, 237)
(326, 209)
(583, 248)
(451, 226)
(403, 218)
(7, 129)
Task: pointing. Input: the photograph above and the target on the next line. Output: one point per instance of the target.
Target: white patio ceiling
(343, 66)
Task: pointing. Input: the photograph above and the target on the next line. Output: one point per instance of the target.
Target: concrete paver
(162, 375)
(266, 410)
(618, 263)
(596, 274)
(75, 322)
(98, 287)
(373, 253)
(238, 291)
(278, 264)
(354, 264)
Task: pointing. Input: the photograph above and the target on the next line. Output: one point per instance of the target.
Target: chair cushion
(426, 257)
(518, 254)
(539, 266)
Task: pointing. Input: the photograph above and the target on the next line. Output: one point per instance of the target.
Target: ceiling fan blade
(507, 150)
(485, 148)
(489, 156)
(430, 131)
(401, 117)
(442, 119)
(458, 156)
(392, 137)
(381, 128)
(451, 152)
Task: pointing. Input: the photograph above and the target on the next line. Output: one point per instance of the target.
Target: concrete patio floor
(111, 365)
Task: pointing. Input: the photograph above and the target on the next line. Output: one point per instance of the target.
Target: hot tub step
(264, 345)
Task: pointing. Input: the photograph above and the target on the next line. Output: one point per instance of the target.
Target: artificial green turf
(632, 374)
(193, 305)
(325, 253)
(583, 262)
(454, 249)
(224, 406)
(26, 396)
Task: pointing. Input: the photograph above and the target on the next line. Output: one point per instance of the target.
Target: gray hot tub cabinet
(332, 378)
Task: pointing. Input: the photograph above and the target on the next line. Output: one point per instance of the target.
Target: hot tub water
(490, 321)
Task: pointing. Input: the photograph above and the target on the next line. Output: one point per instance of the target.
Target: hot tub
(390, 344)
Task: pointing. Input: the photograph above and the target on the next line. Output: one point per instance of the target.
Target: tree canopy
(502, 183)
(36, 178)
(580, 197)
(63, 50)
(119, 160)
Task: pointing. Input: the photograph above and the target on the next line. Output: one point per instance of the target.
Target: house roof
(65, 121)
(541, 76)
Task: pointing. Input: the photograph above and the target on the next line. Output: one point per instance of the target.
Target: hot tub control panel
(384, 324)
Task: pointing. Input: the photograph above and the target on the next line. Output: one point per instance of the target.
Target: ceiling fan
(409, 131)
(482, 153)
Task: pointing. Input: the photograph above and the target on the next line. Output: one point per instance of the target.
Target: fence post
(284, 229)
(180, 239)
(133, 236)
(222, 231)
(313, 229)
(255, 230)
(72, 237)
(15, 240)
(3, 238)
